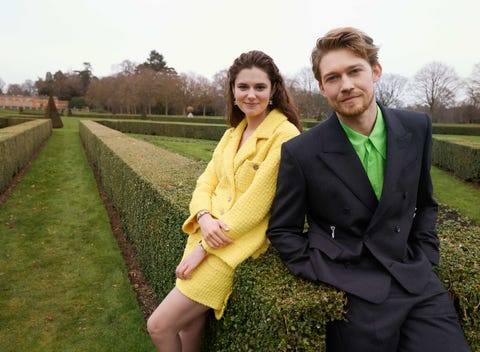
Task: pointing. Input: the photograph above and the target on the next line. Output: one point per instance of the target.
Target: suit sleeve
(423, 228)
(286, 227)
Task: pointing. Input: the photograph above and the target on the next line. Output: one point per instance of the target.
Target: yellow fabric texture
(238, 188)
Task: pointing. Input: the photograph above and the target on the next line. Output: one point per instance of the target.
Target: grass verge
(63, 281)
(456, 194)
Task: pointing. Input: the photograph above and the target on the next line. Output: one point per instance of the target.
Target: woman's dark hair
(281, 99)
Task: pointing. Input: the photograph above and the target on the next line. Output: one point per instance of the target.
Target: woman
(230, 206)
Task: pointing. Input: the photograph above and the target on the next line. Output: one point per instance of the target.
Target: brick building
(30, 103)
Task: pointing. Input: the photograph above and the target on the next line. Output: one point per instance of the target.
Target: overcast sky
(205, 36)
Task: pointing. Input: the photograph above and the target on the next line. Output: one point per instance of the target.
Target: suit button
(255, 166)
(346, 210)
(397, 229)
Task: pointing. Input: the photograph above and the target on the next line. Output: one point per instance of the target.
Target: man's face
(348, 82)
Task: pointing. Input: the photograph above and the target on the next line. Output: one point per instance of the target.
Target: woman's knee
(157, 325)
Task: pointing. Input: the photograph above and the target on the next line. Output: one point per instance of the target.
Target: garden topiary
(51, 112)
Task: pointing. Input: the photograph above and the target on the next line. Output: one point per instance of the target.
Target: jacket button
(229, 199)
(397, 229)
(222, 212)
(255, 166)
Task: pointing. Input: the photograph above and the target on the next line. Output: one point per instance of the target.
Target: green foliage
(460, 157)
(51, 113)
(458, 194)
(172, 129)
(151, 188)
(64, 285)
(460, 270)
(198, 149)
(460, 129)
(18, 143)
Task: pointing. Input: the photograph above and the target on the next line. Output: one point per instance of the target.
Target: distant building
(30, 103)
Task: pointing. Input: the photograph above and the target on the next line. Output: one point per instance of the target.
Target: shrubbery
(461, 159)
(18, 143)
(269, 310)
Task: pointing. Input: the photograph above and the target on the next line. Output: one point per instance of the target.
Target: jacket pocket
(325, 244)
(245, 175)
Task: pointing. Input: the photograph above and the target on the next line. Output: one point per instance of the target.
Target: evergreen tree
(51, 112)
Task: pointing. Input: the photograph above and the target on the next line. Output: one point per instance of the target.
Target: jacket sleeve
(253, 206)
(286, 227)
(205, 186)
(423, 230)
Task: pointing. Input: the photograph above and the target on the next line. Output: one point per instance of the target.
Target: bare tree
(126, 67)
(304, 89)
(435, 87)
(28, 88)
(473, 87)
(15, 89)
(389, 90)
(2, 84)
(220, 82)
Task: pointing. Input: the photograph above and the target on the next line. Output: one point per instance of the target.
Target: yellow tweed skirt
(211, 282)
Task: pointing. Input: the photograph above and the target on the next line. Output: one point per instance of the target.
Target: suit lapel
(338, 154)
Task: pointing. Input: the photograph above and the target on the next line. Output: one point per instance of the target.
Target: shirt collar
(378, 136)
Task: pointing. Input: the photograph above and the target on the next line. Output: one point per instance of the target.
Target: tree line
(153, 87)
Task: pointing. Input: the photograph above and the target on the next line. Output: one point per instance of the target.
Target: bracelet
(202, 213)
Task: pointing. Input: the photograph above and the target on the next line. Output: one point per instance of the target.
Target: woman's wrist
(201, 213)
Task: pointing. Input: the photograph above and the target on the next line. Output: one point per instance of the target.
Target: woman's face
(252, 91)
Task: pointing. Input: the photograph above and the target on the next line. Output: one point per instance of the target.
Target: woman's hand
(190, 263)
(213, 231)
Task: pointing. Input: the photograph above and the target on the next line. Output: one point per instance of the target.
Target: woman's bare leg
(176, 313)
(191, 335)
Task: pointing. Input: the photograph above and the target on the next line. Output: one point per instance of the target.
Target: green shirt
(372, 151)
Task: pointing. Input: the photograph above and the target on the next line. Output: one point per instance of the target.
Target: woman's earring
(270, 102)
(235, 102)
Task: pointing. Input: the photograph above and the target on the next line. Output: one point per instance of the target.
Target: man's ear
(376, 72)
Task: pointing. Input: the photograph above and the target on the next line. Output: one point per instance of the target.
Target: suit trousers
(402, 323)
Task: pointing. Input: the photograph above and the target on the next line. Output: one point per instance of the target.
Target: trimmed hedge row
(172, 129)
(460, 270)
(269, 310)
(461, 129)
(462, 159)
(18, 142)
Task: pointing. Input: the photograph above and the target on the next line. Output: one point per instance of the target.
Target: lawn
(63, 281)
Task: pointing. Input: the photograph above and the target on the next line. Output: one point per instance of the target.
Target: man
(362, 181)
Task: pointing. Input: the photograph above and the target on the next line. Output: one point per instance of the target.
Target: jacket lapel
(264, 131)
(338, 154)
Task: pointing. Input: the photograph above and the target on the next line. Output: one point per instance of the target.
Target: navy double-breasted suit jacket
(354, 241)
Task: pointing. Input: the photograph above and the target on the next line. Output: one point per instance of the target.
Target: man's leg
(432, 324)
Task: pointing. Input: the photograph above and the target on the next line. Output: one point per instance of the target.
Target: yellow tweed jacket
(238, 187)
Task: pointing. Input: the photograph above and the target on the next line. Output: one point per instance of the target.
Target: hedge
(460, 158)
(461, 129)
(150, 189)
(19, 140)
(269, 309)
(173, 129)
